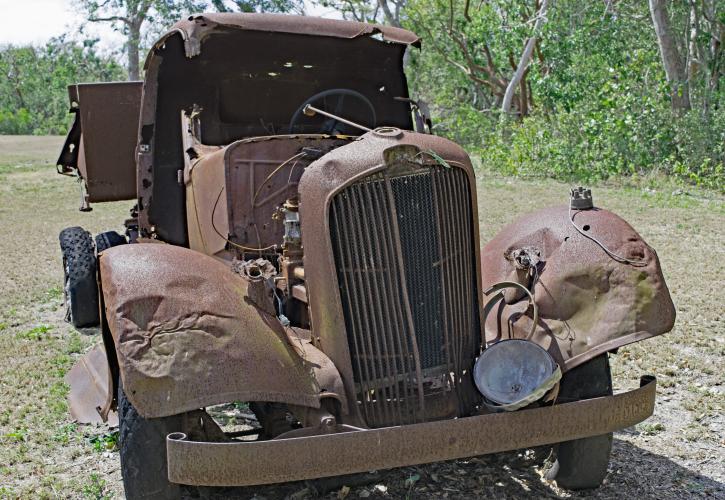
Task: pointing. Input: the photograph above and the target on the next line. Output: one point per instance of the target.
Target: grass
(43, 454)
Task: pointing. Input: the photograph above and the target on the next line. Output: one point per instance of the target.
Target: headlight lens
(514, 373)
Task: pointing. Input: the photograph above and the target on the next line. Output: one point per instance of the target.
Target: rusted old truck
(301, 243)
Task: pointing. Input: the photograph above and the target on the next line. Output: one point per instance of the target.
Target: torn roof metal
(198, 26)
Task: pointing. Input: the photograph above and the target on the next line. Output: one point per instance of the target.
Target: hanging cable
(617, 257)
(277, 169)
(241, 247)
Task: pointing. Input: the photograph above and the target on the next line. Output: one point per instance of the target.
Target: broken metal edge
(294, 459)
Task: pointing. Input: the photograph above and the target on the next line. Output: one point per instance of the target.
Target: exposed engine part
(131, 225)
(254, 270)
(85, 198)
(421, 114)
(313, 153)
(292, 237)
(291, 281)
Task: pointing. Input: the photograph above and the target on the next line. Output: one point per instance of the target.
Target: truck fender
(187, 335)
(592, 296)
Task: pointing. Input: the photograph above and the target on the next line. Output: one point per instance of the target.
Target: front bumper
(275, 461)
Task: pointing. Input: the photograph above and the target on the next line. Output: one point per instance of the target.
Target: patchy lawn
(675, 454)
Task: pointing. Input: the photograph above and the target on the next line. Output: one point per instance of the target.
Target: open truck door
(101, 145)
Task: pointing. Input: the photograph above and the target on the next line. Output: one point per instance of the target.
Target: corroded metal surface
(199, 26)
(319, 186)
(261, 174)
(405, 260)
(199, 64)
(102, 142)
(89, 382)
(588, 302)
(237, 191)
(264, 462)
(187, 335)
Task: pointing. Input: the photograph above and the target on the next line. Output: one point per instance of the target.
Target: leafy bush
(34, 82)
(601, 100)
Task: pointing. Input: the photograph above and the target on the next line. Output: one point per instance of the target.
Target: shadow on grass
(633, 473)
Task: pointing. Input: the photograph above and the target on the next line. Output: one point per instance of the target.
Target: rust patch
(89, 382)
(588, 302)
(350, 451)
(187, 335)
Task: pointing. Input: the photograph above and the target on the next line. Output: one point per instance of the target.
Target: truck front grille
(404, 252)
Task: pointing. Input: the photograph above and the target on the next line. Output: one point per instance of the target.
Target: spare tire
(79, 285)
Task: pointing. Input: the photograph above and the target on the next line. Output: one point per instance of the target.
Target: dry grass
(677, 453)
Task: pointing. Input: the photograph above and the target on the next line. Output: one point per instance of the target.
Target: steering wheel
(330, 125)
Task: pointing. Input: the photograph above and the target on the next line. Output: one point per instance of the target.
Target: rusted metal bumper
(265, 462)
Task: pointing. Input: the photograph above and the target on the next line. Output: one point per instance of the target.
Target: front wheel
(142, 446)
(582, 463)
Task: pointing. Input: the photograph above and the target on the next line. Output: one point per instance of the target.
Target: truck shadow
(633, 473)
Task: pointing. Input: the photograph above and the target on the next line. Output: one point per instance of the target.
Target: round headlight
(514, 373)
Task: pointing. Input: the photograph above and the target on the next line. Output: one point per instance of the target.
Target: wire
(291, 171)
(617, 257)
(298, 155)
(242, 247)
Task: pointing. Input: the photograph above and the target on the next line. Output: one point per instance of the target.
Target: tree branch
(525, 58)
(123, 19)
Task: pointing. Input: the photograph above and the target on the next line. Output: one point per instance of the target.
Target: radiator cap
(512, 374)
(388, 132)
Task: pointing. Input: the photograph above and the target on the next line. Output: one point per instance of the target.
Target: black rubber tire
(79, 284)
(142, 446)
(107, 240)
(582, 464)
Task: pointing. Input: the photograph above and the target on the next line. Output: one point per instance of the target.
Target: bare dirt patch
(678, 453)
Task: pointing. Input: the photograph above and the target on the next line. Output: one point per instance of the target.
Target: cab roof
(198, 26)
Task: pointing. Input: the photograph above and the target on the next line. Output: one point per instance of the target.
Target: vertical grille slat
(455, 256)
(443, 223)
(369, 272)
(393, 297)
(381, 304)
(411, 337)
(353, 325)
(404, 254)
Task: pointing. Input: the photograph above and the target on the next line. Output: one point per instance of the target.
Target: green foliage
(37, 333)
(104, 442)
(95, 488)
(19, 435)
(601, 103)
(65, 433)
(34, 81)
(258, 5)
(54, 292)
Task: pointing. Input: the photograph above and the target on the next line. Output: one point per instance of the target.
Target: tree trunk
(672, 61)
(132, 51)
(391, 19)
(524, 61)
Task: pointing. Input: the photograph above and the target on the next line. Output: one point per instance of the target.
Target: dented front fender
(188, 335)
(588, 302)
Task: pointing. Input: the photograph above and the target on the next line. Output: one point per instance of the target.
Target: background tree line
(562, 88)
